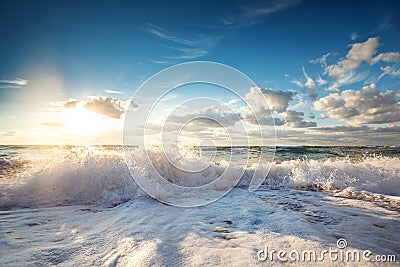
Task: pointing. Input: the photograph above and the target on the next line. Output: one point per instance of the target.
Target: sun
(83, 122)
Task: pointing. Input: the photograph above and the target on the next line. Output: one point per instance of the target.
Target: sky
(328, 70)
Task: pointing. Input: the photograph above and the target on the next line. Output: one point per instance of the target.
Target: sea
(80, 205)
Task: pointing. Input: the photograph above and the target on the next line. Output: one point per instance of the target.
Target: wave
(95, 175)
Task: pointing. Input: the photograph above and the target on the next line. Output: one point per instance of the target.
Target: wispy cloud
(114, 92)
(254, 14)
(13, 83)
(196, 45)
(297, 82)
(157, 31)
(353, 36)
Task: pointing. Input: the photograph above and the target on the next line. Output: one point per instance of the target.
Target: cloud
(108, 106)
(102, 105)
(251, 14)
(310, 84)
(9, 133)
(310, 87)
(274, 101)
(207, 117)
(295, 119)
(297, 82)
(157, 31)
(387, 57)
(114, 92)
(300, 104)
(277, 100)
(359, 53)
(265, 120)
(189, 53)
(353, 36)
(367, 106)
(132, 105)
(363, 129)
(321, 81)
(388, 70)
(321, 60)
(13, 83)
(198, 45)
(71, 104)
(52, 123)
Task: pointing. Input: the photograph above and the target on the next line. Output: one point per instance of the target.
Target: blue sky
(97, 53)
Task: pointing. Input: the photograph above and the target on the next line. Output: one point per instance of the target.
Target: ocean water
(31, 176)
(79, 206)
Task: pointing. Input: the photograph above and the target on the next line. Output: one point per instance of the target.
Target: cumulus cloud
(274, 101)
(108, 106)
(366, 106)
(295, 119)
(102, 105)
(277, 100)
(359, 53)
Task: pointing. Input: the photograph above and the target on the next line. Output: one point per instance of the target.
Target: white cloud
(300, 104)
(255, 13)
(387, 57)
(13, 83)
(297, 82)
(195, 46)
(114, 92)
(367, 106)
(359, 53)
(310, 84)
(310, 87)
(390, 71)
(321, 60)
(321, 81)
(277, 100)
(157, 31)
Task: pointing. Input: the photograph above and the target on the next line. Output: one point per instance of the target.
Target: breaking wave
(99, 175)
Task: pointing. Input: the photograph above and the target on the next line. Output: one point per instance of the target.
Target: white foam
(96, 175)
